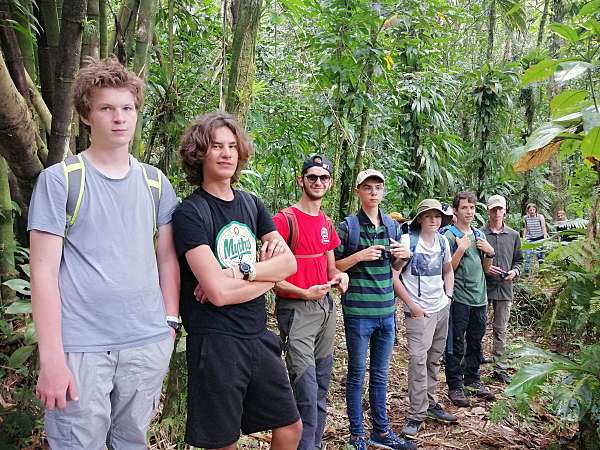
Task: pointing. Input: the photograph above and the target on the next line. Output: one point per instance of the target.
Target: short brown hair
(464, 195)
(196, 141)
(104, 73)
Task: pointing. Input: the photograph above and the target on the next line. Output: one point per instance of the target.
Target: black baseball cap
(317, 161)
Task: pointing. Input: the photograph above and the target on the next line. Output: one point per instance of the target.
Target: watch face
(245, 267)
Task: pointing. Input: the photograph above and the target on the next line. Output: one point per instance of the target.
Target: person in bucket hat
(426, 291)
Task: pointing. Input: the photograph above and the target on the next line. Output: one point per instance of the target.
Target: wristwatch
(248, 271)
(492, 256)
(174, 323)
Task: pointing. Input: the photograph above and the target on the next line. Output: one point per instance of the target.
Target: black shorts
(235, 384)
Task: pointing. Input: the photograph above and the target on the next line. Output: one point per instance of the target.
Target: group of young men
(116, 260)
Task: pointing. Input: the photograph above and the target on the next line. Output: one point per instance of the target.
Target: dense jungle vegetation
(494, 96)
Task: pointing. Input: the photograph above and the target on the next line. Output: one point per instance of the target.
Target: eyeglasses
(372, 189)
(312, 178)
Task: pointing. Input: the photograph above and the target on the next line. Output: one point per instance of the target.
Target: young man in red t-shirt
(305, 309)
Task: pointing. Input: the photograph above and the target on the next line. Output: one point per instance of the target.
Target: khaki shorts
(118, 394)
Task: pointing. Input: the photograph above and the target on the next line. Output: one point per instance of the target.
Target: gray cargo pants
(118, 394)
(307, 329)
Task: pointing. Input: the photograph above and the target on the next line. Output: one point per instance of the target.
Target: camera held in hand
(503, 275)
(386, 253)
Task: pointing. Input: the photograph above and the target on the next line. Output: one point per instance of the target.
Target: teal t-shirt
(469, 277)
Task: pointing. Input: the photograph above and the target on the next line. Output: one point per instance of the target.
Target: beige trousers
(501, 310)
(426, 340)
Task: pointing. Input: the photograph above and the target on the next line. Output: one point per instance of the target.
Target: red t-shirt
(313, 238)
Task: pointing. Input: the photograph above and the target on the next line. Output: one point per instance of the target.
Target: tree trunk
(7, 240)
(540, 36)
(491, 31)
(143, 37)
(48, 48)
(241, 75)
(124, 26)
(93, 35)
(17, 134)
(74, 13)
(174, 405)
(103, 28)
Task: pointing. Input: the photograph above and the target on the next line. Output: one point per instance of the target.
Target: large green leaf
(570, 119)
(590, 147)
(19, 356)
(571, 70)
(18, 307)
(592, 25)
(529, 378)
(539, 72)
(573, 400)
(567, 101)
(543, 135)
(564, 31)
(589, 8)
(19, 285)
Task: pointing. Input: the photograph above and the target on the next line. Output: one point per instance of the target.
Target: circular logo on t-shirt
(324, 236)
(235, 243)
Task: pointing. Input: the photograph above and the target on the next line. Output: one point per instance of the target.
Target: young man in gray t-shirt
(101, 294)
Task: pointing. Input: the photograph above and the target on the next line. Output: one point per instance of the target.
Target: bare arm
(448, 275)
(55, 381)
(402, 294)
(368, 254)
(277, 266)
(220, 289)
(168, 269)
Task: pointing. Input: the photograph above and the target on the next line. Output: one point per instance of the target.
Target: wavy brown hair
(197, 139)
(104, 73)
(464, 195)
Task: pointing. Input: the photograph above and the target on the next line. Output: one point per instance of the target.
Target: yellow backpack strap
(74, 170)
(154, 183)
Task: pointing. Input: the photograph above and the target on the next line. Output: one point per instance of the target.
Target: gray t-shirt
(108, 276)
(424, 274)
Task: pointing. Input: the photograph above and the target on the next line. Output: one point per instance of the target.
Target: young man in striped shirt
(367, 252)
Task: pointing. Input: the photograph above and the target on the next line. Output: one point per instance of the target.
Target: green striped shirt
(370, 292)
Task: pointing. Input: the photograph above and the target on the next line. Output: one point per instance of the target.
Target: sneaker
(437, 413)
(502, 376)
(458, 397)
(356, 444)
(480, 390)
(411, 428)
(391, 441)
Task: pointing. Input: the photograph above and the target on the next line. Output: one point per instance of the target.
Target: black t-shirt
(234, 233)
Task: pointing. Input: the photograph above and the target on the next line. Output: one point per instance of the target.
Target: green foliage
(575, 383)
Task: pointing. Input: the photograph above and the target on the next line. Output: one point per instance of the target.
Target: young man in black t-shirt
(236, 378)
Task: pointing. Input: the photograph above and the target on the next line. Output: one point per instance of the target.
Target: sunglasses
(312, 178)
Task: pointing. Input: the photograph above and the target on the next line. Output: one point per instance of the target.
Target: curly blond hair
(104, 73)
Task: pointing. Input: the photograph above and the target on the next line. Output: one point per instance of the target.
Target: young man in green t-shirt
(472, 255)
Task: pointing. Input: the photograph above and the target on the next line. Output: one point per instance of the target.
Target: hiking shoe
(458, 397)
(411, 428)
(437, 413)
(356, 444)
(391, 441)
(502, 376)
(480, 390)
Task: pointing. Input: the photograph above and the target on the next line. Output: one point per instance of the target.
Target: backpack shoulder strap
(353, 233)
(390, 226)
(414, 240)
(250, 204)
(200, 204)
(441, 242)
(154, 183)
(292, 221)
(74, 170)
